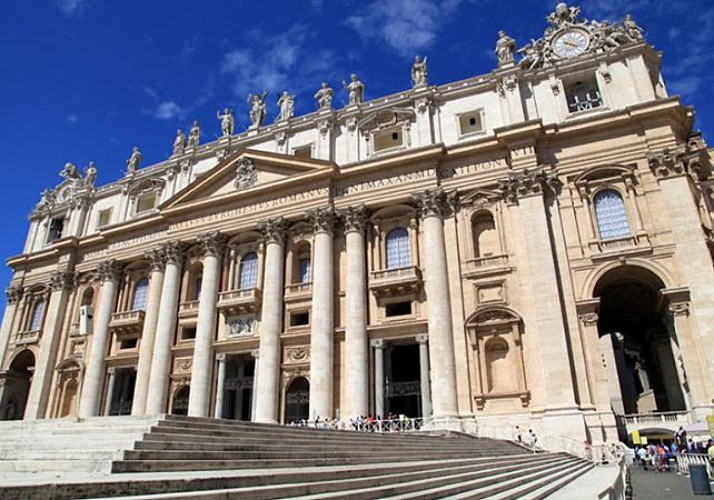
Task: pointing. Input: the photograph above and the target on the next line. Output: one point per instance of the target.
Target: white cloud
(72, 118)
(72, 8)
(167, 110)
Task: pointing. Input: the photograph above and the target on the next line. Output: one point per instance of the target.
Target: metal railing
(366, 425)
(684, 460)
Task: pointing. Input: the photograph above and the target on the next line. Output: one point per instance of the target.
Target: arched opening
(179, 405)
(397, 249)
(486, 242)
(38, 315)
(17, 386)
(68, 383)
(611, 215)
(638, 343)
(297, 401)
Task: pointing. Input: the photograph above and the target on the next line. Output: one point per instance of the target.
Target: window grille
(249, 271)
(140, 294)
(611, 215)
(398, 249)
(37, 315)
(583, 96)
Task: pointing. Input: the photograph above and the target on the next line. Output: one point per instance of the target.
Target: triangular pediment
(248, 171)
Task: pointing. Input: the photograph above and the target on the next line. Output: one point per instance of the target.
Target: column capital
(322, 219)
(221, 357)
(156, 259)
(527, 183)
(255, 353)
(354, 218)
(589, 318)
(212, 242)
(274, 230)
(174, 252)
(378, 344)
(13, 294)
(422, 338)
(668, 163)
(109, 270)
(63, 280)
(434, 203)
(111, 371)
(678, 309)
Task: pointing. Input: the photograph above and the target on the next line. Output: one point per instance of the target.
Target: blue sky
(88, 79)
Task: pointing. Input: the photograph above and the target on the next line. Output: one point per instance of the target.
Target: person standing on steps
(532, 439)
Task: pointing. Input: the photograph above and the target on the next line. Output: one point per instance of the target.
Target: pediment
(248, 171)
(481, 197)
(386, 118)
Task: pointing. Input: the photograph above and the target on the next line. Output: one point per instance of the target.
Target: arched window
(398, 249)
(140, 291)
(249, 271)
(611, 215)
(37, 314)
(485, 237)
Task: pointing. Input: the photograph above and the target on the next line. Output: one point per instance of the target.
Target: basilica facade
(531, 246)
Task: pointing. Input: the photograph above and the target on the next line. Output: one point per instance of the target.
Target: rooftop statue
(133, 162)
(70, 172)
(90, 175)
(194, 135)
(355, 89)
(179, 142)
(419, 72)
(505, 48)
(286, 104)
(258, 110)
(47, 199)
(324, 96)
(228, 123)
(563, 16)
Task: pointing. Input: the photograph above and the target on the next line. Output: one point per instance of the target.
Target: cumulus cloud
(167, 110)
(71, 118)
(72, 8)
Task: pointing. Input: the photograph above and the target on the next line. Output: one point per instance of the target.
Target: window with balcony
(38, 314)
(583, 95)
(611, 215)
(248, 271)
(397, 249)
(140, 295)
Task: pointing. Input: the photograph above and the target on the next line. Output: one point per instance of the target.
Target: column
(378, 346)
(212, 244)
(266, 408)
(424, 375)
(254, 390)
(166, 329)
(221, 359)
(110, 390)
(148, 333)
(322, 321)
(109, 271)
(61, 283)
(356, 382)
(433, 207)
(14, 295)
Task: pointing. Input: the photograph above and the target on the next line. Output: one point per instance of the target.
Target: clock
(571, 43)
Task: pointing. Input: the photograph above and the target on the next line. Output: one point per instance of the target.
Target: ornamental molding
(183, 365)
(679, 309)
(386, 118)
(13, 294)
(435, 203)
(589, 318)
(527, 183)
(354, 218)
(691, 159)
(240, 327)
(246, 173)
(212, 242)
(109, 270)
(296, 354)
(156, 259)
(174, 252)
(322, 220)
(62, 280)
(274, 230)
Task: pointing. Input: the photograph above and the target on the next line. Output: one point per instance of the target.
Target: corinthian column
(322, 322)
(14, 295)
(198, 402)
(423, 341)
(433, 207)
(148, 333)
(166, 328)
(109, 271)
(356, 342)
(61, 284)
(266, 409)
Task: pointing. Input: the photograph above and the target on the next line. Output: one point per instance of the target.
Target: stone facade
(532, 246)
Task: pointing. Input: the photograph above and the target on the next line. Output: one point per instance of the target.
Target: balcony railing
(188, 309)
(486, 265)
(670, 417)
(630, 242)
(398, 281)
(299, 288)
(28, 336)
(126, 322)
(234, 302)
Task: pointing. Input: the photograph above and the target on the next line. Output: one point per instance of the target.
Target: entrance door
(180, 402)
(403, 381)
(297, 401)
(17, 386)
(123, 394)
(238, 388)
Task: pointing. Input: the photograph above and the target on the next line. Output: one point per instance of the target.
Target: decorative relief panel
(183, 365)
(296, 354)
(243, 326)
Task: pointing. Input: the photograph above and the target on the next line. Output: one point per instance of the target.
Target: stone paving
(652, 485)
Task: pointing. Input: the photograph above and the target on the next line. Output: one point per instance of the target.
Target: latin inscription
(380, 183)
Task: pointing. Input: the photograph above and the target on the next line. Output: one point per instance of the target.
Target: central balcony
(127, 323)
(395, 282)
(236, 302)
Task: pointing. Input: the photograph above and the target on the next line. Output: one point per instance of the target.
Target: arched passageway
(17, 386)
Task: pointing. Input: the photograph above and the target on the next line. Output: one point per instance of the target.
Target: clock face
(571, 43)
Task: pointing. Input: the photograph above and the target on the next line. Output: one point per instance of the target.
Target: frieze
(473, 168)
(384, 182)
(133, 242)
(297, 354)
(239, 327)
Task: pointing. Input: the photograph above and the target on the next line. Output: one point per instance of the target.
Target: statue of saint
(258, 109)
(505, 48)
(563, 15)
(133, 162)
(419, 72)
(70, 172)
(228, 123)
(324, 96)
(194, 135)
(355, 88)
(90, 174)
(633, 31)
(47, 198)
(286, 104)
(179, 142)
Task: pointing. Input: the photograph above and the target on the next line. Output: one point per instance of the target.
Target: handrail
(366, 425)
(684, 460)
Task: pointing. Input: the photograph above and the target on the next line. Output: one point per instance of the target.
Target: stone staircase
(182, 457)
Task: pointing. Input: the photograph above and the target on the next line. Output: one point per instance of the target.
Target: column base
(601, 426)
(563, 428)
(444, 423)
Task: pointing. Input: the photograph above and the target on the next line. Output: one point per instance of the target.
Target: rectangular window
(55, 229)
(388, 139)
(128, 343)
(145, 202)
(188, 333)
(583, 95)
(301, 318)
(398, 309)
(305, 270)
(470, 123)
(104, 217)
(304, 152)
